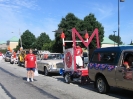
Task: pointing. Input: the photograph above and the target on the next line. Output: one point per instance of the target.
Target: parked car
(8, 55)
(52, 64)
(12, 59)
(35, 52)
(106, 68)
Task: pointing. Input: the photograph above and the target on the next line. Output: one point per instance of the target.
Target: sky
(38, 16)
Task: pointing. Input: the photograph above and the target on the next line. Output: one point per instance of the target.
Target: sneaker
(28, 79)
(32, 80)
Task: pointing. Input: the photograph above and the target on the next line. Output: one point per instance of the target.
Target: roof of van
(120, 48)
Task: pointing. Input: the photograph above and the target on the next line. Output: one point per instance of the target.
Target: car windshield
(8, 53)
(53, 56)
(34, 52)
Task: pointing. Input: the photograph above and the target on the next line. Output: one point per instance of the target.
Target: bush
(3, 50)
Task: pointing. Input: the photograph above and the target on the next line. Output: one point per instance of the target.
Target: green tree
(89, 24)
(131, 43)
(3, 50)
(42, 40)
(28, 40)
(66, 24)
(18, 46)
(52, 46)
(115, 39)
(49, 46)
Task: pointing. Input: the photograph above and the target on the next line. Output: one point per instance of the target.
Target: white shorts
(79, 61)
(14, 59)
(1, 57)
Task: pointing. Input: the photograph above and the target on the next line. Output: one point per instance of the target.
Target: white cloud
(12, 17)
(27, 4)
(103, 11)
(4, 0)
(15, 14)
(50, 25)
(109, 28)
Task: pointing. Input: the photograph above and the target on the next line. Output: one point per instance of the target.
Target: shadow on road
(114, 92)
(25, 78)
(50, 74)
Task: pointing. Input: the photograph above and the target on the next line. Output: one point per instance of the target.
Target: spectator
(30, 64)
(79, 61)
(128, 61)
(1, 56)
(14, 57)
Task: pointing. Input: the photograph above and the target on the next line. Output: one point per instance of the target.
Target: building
(3, 45)
(12, 43)
(108, 43)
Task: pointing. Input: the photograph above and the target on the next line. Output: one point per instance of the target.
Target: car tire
(11, 62)
(46, 73)
(67, 78)
(19, 63)
(102, 85)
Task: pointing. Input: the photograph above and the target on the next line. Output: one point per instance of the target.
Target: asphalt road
(13, 85)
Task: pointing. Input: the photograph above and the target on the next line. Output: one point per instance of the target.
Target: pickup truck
(52, 64)
(106, 68)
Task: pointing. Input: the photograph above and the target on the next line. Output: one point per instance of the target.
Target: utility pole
(114, 37)
(20, 40)
(119, 21)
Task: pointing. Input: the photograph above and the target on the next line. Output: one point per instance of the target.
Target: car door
(124, 77)
(104, 62)
(108, 60)
(39, 63)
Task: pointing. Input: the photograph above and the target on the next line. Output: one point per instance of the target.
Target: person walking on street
(30, 64)
(14, 56)
(1, 56)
